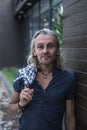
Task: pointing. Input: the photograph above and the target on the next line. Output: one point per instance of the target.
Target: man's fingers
(27, 94)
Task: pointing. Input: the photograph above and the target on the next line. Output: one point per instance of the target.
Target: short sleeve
(18, 84)
(71, 92)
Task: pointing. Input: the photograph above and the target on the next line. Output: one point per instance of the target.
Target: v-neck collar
(53, 76)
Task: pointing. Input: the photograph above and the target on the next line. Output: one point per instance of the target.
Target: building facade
(10, 36)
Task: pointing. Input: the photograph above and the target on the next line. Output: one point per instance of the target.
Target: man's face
(45, 49)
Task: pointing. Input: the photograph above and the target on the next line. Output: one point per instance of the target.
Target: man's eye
(40, 47)
(51, 46)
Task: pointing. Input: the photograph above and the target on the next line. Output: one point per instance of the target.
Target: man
(52, 92)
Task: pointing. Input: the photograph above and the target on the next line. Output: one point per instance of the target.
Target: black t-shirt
(46, 110)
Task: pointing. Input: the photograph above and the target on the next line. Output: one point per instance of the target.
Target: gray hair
(32, 59)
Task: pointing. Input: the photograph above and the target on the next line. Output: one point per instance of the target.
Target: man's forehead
(44, 37)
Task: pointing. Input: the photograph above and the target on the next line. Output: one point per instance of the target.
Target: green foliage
(58, 25)
(10, 73)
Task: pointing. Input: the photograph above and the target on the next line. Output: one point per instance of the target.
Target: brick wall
(75, 52)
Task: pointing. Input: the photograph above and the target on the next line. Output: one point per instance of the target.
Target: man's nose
(45, 50)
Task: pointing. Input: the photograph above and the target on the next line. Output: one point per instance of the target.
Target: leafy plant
(10, 73)
(58, 25)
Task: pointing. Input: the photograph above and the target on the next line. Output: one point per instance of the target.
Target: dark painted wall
(10, 36)
(75, 52)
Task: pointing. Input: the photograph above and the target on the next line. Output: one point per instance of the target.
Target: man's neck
(46, 68)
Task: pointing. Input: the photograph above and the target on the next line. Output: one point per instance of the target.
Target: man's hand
(26, 96)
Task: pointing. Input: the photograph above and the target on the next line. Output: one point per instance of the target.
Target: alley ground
(7, 120)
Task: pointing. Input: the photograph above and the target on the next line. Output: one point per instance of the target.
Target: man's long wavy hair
(58, 63)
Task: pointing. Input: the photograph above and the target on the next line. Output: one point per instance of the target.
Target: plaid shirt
(27, 74)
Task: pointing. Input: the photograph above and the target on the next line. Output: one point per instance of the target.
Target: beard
(45, 60)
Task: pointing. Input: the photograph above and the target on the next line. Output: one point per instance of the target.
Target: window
(45, 20)
(36, 10)
(41, 15)
(44, 6)
(55, 2)
(54, 14)
(35, 24)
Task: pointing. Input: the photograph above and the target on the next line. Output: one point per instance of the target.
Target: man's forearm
(14, 108)
(70, 124)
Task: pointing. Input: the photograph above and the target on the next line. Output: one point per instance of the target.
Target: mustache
(44, 55)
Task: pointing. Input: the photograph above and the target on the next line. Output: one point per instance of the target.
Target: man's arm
(70, 123)
(13, 104)
(20, 100)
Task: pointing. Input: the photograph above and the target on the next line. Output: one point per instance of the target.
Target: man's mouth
(46, 57)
